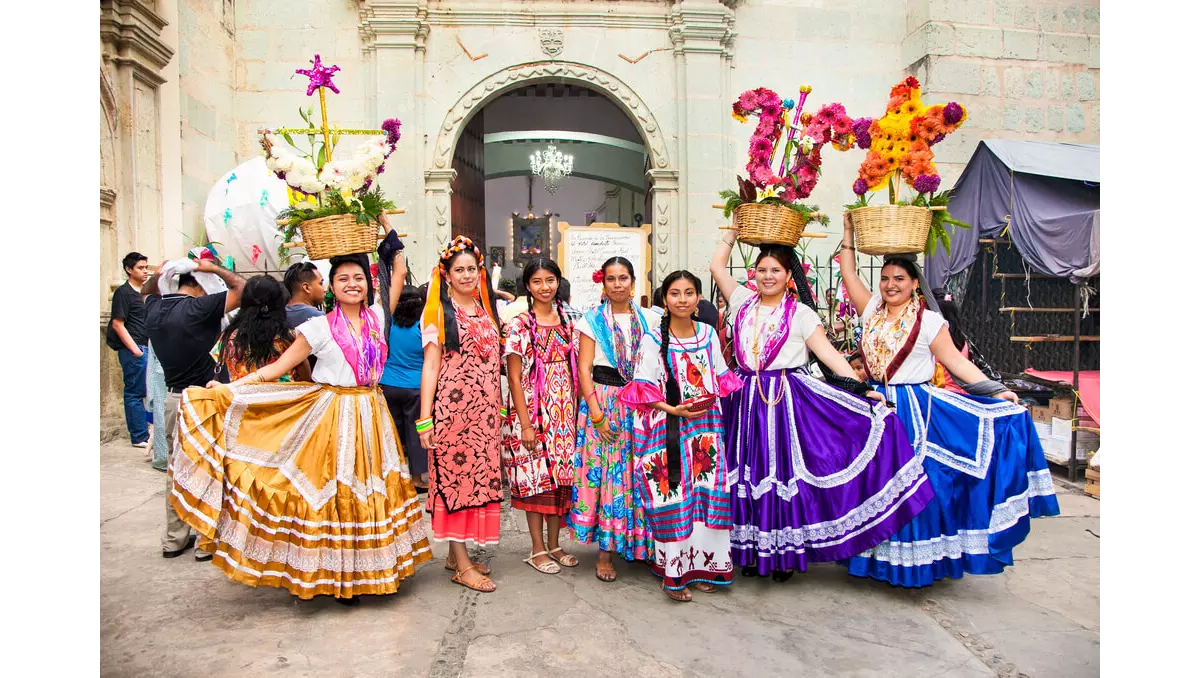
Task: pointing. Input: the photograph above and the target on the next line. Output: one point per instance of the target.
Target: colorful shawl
(773, 341)
(621, 353)
(884, 349)
(366, 354)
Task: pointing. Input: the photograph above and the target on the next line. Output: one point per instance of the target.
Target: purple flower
(392, 127)
(952, 113)
(862, 132)
(860, 186)
(937, 139)
(379, 170)
(926, 183)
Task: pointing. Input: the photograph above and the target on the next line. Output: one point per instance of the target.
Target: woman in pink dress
(460, 410)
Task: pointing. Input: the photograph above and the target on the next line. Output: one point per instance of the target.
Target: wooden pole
(325, 126)
(1072, 465)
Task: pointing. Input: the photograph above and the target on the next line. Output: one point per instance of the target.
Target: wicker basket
(890, 229)
(339, 234)
(760, 224)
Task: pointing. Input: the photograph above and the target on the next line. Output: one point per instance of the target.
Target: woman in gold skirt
(303, 486)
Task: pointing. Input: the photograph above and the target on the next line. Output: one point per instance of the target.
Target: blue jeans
(134, 371)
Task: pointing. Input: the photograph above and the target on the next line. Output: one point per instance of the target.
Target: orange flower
(927, 127)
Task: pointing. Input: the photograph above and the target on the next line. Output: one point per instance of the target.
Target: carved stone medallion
(552, 41)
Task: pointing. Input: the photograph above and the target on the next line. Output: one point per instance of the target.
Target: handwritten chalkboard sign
(582, 249)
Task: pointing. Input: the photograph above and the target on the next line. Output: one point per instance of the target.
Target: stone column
(701, 31)
(393, 35)
(434, 232)
(665, 203)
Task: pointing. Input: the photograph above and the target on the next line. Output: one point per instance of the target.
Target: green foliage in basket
(366, 207)
(748, 193)
(941, 225)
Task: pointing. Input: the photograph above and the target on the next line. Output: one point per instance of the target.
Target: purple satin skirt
(817, 474)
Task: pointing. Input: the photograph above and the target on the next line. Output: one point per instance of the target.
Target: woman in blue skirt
(981, 453)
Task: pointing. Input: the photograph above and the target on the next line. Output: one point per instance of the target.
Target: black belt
(607, 376)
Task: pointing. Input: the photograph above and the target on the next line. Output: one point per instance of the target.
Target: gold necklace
(754, 348)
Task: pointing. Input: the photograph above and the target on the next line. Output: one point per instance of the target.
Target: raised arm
(399, 275)
(233, 281)
(819, 344)
(719, 268)
(151, 286)
(859, 294)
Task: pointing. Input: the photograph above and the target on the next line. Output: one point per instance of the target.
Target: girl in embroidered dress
(303, 486)
(818, 473)
(608, 506)
(678, 441)
(460, 409)
(540, 348)
(983, 457)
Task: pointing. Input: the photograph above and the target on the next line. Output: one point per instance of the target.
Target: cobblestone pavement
(183, 618)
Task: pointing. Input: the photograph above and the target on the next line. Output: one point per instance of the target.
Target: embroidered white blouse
(919, 366)
(794, 352)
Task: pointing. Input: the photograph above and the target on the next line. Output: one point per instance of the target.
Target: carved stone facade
(1024, 70)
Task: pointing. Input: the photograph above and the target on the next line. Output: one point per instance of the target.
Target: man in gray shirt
(307, 289)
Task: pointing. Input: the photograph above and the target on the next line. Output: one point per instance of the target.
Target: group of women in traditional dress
(624, 426)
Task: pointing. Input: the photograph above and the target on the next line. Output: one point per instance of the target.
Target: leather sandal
(545, 568)
(705, 587)
(681, 595)
(606, 572)
(481, 587)
(566, 559)
(482, 568)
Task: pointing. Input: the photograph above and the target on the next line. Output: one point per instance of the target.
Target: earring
(695, 314)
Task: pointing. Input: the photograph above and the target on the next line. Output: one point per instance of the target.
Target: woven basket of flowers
(766, 208)
(334, 208)
(899, 151)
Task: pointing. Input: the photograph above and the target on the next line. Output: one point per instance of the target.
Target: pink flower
(827, 115)
(750, 273)
(763, 176)
(761, 146)
(842, 125)
(748, 100)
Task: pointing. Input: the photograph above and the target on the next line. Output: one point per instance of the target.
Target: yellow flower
(739, 118)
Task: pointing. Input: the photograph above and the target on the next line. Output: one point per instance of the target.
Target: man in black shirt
(184, 328)
(128, 337)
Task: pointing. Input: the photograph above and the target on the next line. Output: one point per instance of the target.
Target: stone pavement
(183, 618)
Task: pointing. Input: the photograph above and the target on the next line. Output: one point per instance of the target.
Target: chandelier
(552, 165)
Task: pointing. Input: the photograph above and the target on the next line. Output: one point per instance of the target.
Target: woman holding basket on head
(302, 486)
(540, 349)
(608, 507)
(818, 471)
(460, 409)
(980, 450)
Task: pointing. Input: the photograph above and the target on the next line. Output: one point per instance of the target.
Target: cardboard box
(1041, 414)
(1063, 407)
(1060, 428)
(1091, 482)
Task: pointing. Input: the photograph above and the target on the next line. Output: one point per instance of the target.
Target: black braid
(672, 398)
(562, 319)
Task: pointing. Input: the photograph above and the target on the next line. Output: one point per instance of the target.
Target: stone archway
(664, 178)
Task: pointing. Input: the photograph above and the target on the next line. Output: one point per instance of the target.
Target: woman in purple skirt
(818, 472)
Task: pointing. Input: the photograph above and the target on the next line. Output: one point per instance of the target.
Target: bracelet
(848, 247)
(424, 425)
(731, 244)
(598, 419)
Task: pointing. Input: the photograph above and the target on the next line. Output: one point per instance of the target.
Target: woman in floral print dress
(608, 506)
(680, 450)
(539, 448)
(460, 392)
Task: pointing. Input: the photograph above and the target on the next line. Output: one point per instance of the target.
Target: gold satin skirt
(300, 486)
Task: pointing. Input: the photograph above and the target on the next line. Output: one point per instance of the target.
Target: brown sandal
(705, 587)
(480, 587)
(606, 572)
(681, 596)
(483, 568)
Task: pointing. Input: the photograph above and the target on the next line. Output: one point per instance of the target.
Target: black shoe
(203, 557)
(348, 602)
(782, 576)
(175, 554)
(749, 571)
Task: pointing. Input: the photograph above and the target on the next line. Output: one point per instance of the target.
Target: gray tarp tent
(1051, 191)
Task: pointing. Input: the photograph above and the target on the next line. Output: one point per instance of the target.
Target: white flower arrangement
(341, 176)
